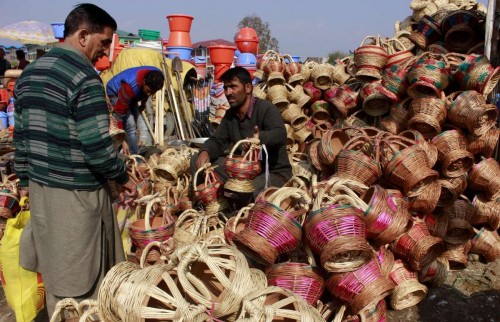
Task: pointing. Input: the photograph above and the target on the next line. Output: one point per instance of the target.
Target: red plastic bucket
(220, 54)
(219, 70)
(246, 33)
(247, 46)
(103, 63)
(180, 22)
(179, 39)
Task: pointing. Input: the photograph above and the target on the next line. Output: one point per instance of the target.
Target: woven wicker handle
(209, 176)
(149, 206)
(253, 143)
(392, 44)
(63, 305)
(373, 38)
(242, 214)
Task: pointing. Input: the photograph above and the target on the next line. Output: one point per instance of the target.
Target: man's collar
(76, 51)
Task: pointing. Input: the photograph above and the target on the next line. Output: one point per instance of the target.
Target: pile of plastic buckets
(179, 40)
(247, 42)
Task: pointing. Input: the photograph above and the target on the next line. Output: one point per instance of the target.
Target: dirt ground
(472, 294)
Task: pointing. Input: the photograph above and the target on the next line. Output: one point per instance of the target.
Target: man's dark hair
(238, 73)
(90, 17)
(154, 79)
(20, 54)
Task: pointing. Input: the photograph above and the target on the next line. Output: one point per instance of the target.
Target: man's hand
(203, 158)
(245, 146)
(128, 192)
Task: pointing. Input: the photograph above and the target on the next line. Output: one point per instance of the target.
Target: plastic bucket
(220, 54)
(4, 120)
(58, 29)
(179, 39)
(246, 59)
(179, 22)
(184, 53)
(246, 33)
(103, 63)
(220, 69)
(198, 60)
(247, 46)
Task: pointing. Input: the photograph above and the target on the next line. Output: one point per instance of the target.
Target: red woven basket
(409, 169)
(428, 115)
(468, 110)
(487, 212)
(417, 246)
(487, 244)
(359, 161)
(485, 176)
(242, 170)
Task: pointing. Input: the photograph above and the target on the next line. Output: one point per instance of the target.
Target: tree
(266, 41)
(333, 56)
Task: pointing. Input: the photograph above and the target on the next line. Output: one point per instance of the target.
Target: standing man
(247, 116)
(64, 156)
(21, 56)
(4, 63)
(125, 91)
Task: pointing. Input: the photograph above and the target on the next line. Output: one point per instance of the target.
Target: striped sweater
(61, 135)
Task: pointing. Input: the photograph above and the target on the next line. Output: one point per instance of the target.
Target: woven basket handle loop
(252, 141)
(270, 53)
(149, 206)
(395, 43)
(290, 58)
(455, 59)
(295, 182)
(242, 214)
(61, 306)
(146, 251)
(372, 38)
(451, 98)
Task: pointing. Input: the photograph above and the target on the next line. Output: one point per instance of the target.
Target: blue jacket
(128, 76)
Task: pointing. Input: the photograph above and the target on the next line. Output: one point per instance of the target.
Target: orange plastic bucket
(220, 54)
(179, 39)
(247, 46)
(219, 70)
(180, 22)
(246, 33)
(103, 63)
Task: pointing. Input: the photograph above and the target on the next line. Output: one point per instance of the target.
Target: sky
(310, 28)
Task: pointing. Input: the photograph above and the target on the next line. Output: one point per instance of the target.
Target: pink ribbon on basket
(268, 180)
(211, 314)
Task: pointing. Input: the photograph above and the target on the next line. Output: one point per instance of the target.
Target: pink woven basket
(361, 288)
(300, 278)
(337, 234)
(384, 221)
(273, 229)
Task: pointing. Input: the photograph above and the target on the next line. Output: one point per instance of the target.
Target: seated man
(125, 90)
(247, 117)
